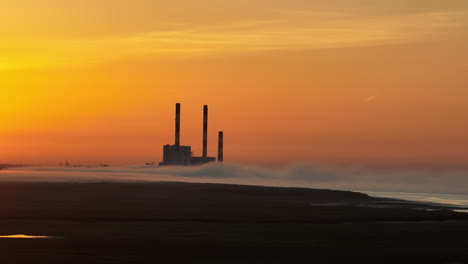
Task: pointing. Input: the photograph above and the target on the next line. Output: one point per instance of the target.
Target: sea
(456, 200)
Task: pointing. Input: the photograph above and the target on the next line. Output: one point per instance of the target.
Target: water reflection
(458, 200)
(21, 236)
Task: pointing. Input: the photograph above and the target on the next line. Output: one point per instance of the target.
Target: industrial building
(177, 155)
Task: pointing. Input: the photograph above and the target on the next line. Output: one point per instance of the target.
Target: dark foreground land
(209, 223)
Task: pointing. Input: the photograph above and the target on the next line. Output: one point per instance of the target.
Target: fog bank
(295, 176)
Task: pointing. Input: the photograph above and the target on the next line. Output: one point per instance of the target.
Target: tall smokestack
(205, 131)
(220, 146)
(177, 126)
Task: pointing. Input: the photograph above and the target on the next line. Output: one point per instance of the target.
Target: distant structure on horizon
(177, 155)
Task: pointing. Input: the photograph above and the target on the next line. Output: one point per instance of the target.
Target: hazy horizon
(299, 175)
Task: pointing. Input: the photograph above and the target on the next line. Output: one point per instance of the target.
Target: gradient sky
(360, 82)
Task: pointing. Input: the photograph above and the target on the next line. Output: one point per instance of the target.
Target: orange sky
(328, 81)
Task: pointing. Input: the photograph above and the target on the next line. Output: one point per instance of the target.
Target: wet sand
(214, 223)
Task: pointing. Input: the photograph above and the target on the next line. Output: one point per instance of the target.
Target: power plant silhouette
(177, 155)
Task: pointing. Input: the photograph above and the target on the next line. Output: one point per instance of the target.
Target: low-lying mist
(295, 176)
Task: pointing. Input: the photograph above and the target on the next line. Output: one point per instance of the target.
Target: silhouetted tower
(220, 146)
(205, 131)
(177, 126)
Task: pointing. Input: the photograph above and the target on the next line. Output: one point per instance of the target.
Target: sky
(344, 82)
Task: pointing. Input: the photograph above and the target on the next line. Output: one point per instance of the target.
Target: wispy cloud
(287, 30)
(304, 30)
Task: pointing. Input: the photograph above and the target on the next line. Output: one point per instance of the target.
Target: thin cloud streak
(371, 98)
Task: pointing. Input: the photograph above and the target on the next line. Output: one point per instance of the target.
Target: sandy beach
(215, 223)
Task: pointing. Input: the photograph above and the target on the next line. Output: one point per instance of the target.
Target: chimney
(220, 146)
(177, 126)
(205, 131)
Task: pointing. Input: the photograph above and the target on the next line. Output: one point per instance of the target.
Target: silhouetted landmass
(8, 166)
(4, 166)
(215, 223)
